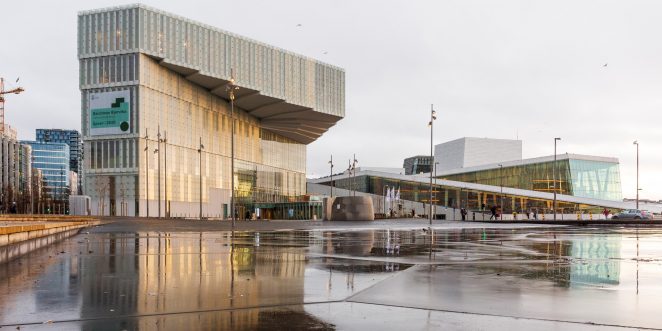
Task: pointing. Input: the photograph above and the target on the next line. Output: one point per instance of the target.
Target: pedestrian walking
(463, 212)
(493, 210)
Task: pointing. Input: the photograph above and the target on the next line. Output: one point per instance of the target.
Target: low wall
(16, 233)
(21, 234)
(10, 252)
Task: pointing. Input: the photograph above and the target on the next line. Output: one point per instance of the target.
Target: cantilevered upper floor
(293, 95)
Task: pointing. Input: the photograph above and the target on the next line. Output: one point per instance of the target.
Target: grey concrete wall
(350, 208)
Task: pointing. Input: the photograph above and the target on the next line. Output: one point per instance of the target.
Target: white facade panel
(449, 155)
(470, 152)
(479, 151)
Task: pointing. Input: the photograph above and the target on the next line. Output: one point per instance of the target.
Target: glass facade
(69, 137)
(213, 52)
(142, 53)
(52, 159)
(456, 197)
(594, 179)
(581, 178)
(418, 164)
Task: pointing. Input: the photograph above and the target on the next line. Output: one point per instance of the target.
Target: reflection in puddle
(151, 273)
(116, 275)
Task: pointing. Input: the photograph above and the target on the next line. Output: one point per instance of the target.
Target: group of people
(495, 212)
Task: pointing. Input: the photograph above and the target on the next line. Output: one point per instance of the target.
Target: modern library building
(156, 117)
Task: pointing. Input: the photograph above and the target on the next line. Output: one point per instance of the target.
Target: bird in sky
(605, 65)
(299, 25)
(325, 52)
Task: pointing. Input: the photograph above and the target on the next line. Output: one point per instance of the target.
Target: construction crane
(16, 90)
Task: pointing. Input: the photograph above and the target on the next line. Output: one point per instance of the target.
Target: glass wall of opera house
(156, 116)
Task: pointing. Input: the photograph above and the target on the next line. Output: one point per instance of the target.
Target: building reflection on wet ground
(567, 278)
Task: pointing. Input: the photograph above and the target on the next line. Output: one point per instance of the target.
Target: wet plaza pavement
(458, 277)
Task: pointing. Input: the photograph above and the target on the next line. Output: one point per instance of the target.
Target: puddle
(254, 279)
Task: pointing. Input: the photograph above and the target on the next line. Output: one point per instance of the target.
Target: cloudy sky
(532, 70)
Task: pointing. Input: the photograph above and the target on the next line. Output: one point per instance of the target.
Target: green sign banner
(110, 113)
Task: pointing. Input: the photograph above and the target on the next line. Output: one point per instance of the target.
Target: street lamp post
(349, 177)
(200, 148)
(554, 178)
(353, 174)
(331, 165)
(61, 193)
(384, 190)
(637, 201)
(147, 172)
(435, 190)
(165, 172)
(433, 117)
(230, 88)
(501, 188)
(158, 151)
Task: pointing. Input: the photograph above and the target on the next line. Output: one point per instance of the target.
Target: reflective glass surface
(269, 168)
(581, 178)
(454, 197)
(535, 177)
(53, 161)
(594, 179)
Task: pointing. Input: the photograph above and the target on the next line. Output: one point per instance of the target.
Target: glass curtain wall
(268, 167)
(581, 178)
(535, 177)
(53, 161)
(453, 197)
(594, 179)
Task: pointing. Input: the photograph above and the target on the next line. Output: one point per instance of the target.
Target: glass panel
(595, 179)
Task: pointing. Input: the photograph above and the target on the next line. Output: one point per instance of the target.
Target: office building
(9, 172)
(9, 131)
(52, 159)
(70, 137)
(155, 102)
(418, 164)
(25, 179)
